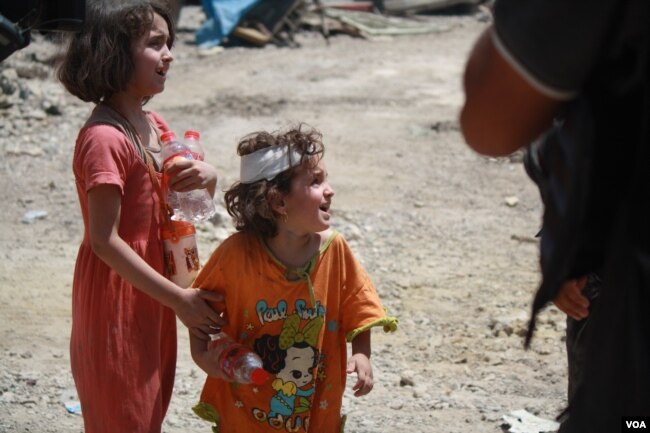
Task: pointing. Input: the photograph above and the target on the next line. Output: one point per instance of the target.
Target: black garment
(596, 188)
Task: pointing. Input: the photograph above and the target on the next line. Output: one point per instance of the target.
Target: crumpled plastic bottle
(237, 361)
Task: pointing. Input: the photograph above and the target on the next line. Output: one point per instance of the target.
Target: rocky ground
(447, 235)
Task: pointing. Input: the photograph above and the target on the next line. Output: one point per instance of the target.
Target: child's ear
(276, 201)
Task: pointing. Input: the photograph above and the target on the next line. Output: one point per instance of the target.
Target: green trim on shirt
(388, 322)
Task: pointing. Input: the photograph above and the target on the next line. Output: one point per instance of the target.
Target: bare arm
(205, 358)
(502, 111)
(104, 203)
(360, 362)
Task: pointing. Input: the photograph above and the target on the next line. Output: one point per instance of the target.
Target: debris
(511, 201)
(445, 126)
(73, 407)
(254, 36)
(372, 25)
(407, 378)
(71, 402)
(276, 21)
(33, 215)
(521, 421)
(29, 151)
(252, 21)
(222, 18)
(420, 6)
(353, 6)
(206, 52)
(522, 238)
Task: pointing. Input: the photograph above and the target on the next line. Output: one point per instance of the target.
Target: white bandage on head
(266, 163)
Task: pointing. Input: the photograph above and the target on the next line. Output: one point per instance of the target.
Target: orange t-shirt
(301, 340)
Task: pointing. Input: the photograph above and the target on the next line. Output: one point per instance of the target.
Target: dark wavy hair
(98, 61)
(250, 204)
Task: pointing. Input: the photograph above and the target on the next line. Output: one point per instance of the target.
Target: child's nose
(167, 56)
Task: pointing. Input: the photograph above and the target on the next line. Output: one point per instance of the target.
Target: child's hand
(570, 299)
(360, 364)
(209, 362)
(197, 314)
(187, 174)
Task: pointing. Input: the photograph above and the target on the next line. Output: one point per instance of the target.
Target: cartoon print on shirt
(292, 356)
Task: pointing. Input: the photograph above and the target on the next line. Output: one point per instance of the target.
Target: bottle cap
(191, 133)
(259, 376)
(168, 136)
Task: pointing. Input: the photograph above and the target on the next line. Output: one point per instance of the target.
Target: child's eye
(318, 178)
(157, 42)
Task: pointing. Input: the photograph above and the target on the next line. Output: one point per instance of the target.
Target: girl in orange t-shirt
(123, 339)
(294, 293)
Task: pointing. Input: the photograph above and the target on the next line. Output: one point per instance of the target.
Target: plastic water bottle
(191, 139)
(193, 206)
(172, 149)
(237, 361)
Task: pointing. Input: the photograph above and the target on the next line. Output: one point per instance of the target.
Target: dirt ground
(447, 235)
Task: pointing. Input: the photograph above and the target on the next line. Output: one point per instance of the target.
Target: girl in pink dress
(123, 340)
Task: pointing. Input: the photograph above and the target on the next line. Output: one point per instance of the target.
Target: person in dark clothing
(574, 76)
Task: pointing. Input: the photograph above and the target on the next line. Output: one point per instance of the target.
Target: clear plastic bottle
(194, 206)
(237, 361)
(171, 149)
(191, 139)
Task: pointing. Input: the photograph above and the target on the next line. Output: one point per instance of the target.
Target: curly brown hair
(250, 204)
(98, 61)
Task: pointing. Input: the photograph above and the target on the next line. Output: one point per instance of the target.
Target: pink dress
(123, 342)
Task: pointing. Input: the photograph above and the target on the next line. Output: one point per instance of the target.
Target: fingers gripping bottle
(237, 361)
(193, 206)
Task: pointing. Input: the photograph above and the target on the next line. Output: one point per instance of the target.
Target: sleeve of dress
(103, 155)
(361, 308)
(553, 44)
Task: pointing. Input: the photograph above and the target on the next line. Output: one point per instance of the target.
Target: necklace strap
(165, 211)
(132, 133)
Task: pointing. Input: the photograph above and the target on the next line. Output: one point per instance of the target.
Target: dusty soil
(427, 217)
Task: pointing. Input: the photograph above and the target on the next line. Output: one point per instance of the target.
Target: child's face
(308, 203)
(152, 58)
